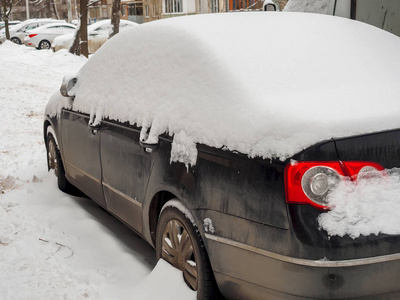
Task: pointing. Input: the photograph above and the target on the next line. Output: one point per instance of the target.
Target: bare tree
(6, 11)
(55, 10)
(75, 47)
(115, 16)
(83, 28)
(80, 41)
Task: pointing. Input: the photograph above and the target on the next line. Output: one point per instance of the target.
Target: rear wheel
(16, 40)
(54, 162)
(44, 45)
(179, 242)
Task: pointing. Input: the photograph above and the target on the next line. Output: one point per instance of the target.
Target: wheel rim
(52, 156)
(44, 45)
(177, 249)
(16, 40)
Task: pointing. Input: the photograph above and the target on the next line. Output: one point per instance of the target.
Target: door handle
(148, 147)
(94, 127)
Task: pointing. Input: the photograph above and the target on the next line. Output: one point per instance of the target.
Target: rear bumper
(245, 272)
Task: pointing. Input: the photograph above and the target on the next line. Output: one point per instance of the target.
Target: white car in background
(17, 32)
(43, 36)
(10, 23)
(98, 34)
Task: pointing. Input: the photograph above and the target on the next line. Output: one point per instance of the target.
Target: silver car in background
(17, 32)
(43, 36)
(98, 34)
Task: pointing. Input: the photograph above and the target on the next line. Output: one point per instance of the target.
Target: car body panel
(48, 33)
(81, 155)
(124, 197)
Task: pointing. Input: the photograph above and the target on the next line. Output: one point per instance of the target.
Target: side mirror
(269, 7)
(67, 88)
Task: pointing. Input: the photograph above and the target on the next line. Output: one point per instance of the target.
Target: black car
(220, 138)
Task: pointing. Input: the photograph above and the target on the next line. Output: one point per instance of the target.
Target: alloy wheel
(52, 156)
(177, 249)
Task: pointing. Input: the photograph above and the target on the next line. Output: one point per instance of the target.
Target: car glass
(31, 26)
(23, 28)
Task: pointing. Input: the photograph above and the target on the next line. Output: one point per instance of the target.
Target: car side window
(31, 26)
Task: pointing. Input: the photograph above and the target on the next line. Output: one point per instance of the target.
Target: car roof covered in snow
(265, 84)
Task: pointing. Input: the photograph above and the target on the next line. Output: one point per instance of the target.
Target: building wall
(384, 14)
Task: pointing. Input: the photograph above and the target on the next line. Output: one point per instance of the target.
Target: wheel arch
(49, 128)
(157, 202)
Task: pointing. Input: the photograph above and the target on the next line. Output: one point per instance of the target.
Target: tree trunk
(48, 8)
(83, 35)
(115, 16)
(5, 16)
(75, 47)
(55, 10)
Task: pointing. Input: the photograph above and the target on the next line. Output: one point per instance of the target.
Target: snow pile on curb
(28, 78)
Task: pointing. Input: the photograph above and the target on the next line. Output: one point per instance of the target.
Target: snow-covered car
(18, 31)
(10, 23)
(257, 178)
(98, 34)
(43, 36)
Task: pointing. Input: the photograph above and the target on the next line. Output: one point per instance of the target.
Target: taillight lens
(311, 182)
(32, 35)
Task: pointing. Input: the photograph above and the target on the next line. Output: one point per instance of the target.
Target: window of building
(147, 11)
(214, 6)
(173, 6)
(135, 9)
(123, 10)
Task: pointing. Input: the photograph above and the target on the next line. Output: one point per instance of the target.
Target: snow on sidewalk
(53, 245)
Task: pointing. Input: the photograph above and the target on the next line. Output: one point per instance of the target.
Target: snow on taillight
(32, 35)
(311, 182)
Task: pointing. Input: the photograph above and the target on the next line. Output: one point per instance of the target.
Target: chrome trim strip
(305, 262)
(83, 172)
(137, 203)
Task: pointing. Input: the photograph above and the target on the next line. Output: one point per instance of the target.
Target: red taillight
(311, 182)
(32, 35)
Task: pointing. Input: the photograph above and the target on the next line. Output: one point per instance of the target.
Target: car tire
(44, 45)
(54, 162)
(16, 40)
(178, 241)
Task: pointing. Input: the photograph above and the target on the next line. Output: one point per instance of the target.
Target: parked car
(98, 34)
(43, 36)
(10, 23)
(224, 158)
(17, 32)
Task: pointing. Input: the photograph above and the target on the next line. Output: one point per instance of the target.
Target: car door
(81, 153)
(126, 169)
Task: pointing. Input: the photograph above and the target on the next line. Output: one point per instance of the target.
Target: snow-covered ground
(52, 245)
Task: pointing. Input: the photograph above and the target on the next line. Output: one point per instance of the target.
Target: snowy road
(53, 245)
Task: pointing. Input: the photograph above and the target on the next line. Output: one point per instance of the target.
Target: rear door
(126, 170)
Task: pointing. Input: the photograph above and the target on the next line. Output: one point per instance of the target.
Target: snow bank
(216, 79)
(55, 246)
(370, 206)
(28, 78)
(164, 282)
